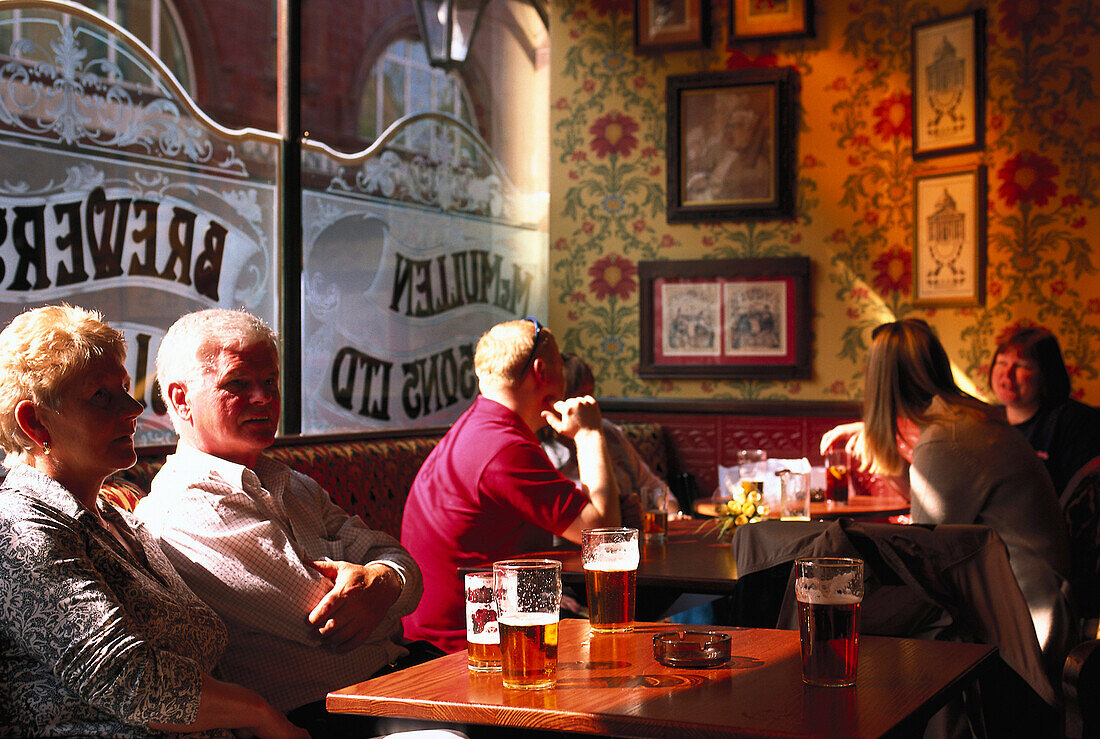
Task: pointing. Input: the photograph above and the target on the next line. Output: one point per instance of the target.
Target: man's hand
(357, 603)
(575, 415)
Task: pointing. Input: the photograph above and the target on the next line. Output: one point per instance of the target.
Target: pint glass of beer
(610, 558)
(830, 593)
(528, 595)
(482, 631)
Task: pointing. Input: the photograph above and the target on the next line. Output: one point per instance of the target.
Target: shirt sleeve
(241, 562)
(521, 479)
(56, 606)
(364, 545)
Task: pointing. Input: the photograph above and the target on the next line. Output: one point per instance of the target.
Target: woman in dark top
(1030, 379)
(966, 466)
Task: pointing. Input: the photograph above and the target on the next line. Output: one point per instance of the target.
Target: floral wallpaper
(854, 190)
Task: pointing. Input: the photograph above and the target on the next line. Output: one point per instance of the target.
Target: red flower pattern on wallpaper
(1029, 178)
(613, 275)
(614, 134)
(1034, 17)
(892, 117)
(892, 270)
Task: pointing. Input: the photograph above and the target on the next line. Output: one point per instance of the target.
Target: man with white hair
(311, 597)
(488, 491)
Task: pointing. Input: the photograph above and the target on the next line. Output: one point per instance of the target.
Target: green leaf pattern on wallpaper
(855, 186)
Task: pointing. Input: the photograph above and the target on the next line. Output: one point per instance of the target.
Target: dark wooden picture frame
(725, 318)
(731, 145)
(671, 25)
(749, 21)
(948, 83)
(949, 219)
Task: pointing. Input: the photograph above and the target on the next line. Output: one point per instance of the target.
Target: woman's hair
(577, 374)
(1040, 347)
(907, 367)
(40, 351)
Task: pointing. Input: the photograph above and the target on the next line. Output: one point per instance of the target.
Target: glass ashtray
(691, 648)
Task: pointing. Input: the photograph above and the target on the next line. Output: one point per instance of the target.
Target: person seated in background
(631, 471)
(99, 635)
(1029, 378)
(487, 491)
(966, 466)
(312, 597)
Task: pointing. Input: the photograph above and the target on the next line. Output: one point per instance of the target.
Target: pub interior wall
(855, 187)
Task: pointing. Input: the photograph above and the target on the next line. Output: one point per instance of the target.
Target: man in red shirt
(488, 492)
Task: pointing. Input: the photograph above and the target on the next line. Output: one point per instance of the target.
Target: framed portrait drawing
(731, 145)
(725, 318)
(948, 79)
(949, 247)
(670, 25)
(770, 19)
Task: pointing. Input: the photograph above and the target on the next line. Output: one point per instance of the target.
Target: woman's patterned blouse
(93, 641)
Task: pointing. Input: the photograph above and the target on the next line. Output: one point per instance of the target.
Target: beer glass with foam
(610, 558)
(482, 630)
(829, 591)
(528, 595)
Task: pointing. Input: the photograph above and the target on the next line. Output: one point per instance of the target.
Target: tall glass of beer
(528, 595)
(830, 593)
(482, 631)
(610, 558)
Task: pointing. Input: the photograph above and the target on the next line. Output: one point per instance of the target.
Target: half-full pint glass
(830, 593)
(528, 595)
(482, 631)
(610, 558)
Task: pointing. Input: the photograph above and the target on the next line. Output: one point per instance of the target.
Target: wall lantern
(448, 28)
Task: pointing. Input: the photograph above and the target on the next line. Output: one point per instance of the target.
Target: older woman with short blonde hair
(100, 637)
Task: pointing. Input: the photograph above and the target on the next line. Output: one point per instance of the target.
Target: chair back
(1081, 508)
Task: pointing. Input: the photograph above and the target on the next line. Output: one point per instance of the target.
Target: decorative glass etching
(407, 260)
(117, 193)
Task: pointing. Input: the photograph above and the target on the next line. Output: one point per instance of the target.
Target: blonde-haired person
(966, 466)
(99, 635)
(487, 491)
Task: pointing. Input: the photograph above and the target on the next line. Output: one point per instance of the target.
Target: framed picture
(727, 318)
(948, 79)
(949, 247)
(731, 145)
(670, 25)
(770, 19)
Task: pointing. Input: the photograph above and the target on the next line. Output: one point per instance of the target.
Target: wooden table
(611, 684)
(691, 561)
(858, 506)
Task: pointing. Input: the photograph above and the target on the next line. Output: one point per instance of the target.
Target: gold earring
(46, 447)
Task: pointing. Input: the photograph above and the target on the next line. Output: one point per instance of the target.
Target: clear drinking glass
(482, 630)
(837, 477)
(654, 514)
(829, 591)
(528, 595)
(610, 558)
(794, 495)
(753, 465)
